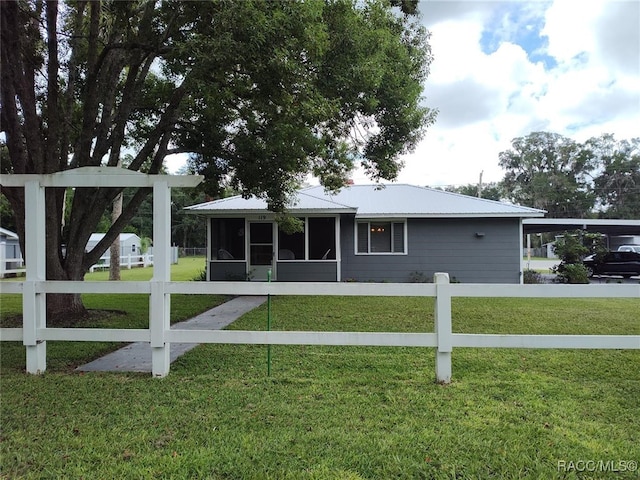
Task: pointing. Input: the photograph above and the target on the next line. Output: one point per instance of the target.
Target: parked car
(629, 248)
(626, 264)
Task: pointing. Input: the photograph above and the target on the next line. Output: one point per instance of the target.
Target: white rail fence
(35, 333)
(127, 261)
(11, 266)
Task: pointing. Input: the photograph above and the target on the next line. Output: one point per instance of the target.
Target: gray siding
(441, 245)
(286, 271)
(307, 271)
(226, 271)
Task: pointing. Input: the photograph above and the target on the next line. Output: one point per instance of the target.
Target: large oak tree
(551, 172)
(259, 93)
(599, 177)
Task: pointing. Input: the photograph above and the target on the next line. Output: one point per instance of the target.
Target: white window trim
(368, 221)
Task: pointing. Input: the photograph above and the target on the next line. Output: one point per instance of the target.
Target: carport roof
(376, 201)
(606, 226)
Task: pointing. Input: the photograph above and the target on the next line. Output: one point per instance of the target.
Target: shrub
(531, 276)
(572, 273)
(202, 276)
(418, 277)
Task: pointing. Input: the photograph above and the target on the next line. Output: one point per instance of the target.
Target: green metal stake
(269, 325)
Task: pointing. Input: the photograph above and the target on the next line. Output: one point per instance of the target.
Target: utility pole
(480, 185)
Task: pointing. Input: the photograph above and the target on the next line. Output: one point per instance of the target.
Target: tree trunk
(64, 309)
(114, 260)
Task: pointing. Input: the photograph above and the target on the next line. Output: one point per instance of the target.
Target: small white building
(129, 243)
(11, 260)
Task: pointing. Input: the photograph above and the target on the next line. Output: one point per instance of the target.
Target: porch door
(260, 250)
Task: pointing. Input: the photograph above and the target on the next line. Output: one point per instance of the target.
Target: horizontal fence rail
(160, 335)
(128, 261)
(476, 290)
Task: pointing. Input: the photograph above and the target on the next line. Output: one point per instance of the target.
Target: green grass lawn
(340, 412)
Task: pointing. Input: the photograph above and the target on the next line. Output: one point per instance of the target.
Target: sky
(502, 70)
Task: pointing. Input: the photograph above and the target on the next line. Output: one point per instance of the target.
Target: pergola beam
(34, 307)
(99, 177)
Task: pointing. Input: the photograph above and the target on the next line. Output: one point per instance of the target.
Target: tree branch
(123, 220)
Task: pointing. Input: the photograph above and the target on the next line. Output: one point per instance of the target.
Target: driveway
(547, 264)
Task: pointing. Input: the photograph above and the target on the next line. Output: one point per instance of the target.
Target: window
(291, 246)
(380, 237)
(322, 238)
(316, 242)
(227, 238)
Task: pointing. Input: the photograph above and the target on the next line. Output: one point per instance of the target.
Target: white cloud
(505, 69)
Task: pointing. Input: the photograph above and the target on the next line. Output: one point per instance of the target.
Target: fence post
(34, 309)
(160, 306)
(442, 318)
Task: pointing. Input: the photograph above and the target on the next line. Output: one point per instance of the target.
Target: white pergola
(33, 299)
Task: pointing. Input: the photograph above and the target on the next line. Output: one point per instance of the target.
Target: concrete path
(136, 357)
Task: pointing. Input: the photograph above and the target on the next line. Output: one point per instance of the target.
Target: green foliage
(187, 230)
(571, 248)
(572, 273)
(548, 171)
(490, 191)
(6, 214)
(145, 243)
(571, 179)
(289, 224)
(617, 186)
(532, 277)
(258, 94)
(201, 276)
(323, 86)
(418, 277)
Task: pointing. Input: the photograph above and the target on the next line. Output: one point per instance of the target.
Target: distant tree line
(599, 178)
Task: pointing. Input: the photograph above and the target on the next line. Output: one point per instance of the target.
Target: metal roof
(96, 237)
(374, 201)
(8, 233)
(607, 226)
(302, 202)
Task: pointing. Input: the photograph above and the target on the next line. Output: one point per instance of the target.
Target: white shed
(10, 254)
(129, 243)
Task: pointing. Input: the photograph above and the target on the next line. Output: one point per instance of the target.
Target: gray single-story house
(390, 233)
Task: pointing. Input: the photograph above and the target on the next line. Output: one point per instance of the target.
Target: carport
(609, 227)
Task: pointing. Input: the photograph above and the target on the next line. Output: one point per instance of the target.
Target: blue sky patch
(515, 23)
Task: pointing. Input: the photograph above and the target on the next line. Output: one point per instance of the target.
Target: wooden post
(442, 316)
(34, 309)
(160, 306)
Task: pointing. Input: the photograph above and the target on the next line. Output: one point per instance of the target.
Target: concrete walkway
(136, 357)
